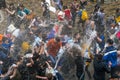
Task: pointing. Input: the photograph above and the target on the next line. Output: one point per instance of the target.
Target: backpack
(84, 15)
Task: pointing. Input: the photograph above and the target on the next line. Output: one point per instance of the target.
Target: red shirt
(68, 15)
(53, 47)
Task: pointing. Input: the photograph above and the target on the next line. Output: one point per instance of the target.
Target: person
(74, 7)
(101, 41)
(58, 4)
(61, 15)
(46, 12)
(118, 62)
(68, 15)
(100, 20)
(22, 11)
(53, 47)
(79, 62)
(89, 26)
(77, 38)
(7, 44)
(117, 12)
(117, 15)
(96, 8)
(2, 4)
(110, 55)
(12, 70)
(27, 69)
(100, 67)
(11, 13)
(83, 3)
(1, 38)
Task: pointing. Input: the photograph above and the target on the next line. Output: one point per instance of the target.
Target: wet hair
(110, 41)
(101, 10)
(57, 39)
(76, 34)
(117, 10)
(11, 4)
(65, 7)
(21, 5)
(99, 56)
(19, 58)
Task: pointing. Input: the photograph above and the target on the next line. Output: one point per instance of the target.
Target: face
(78, 36)
(21, 8)
(56, 41)
(6, 41)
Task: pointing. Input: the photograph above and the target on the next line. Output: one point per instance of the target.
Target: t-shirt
(68, 15)
(53, 47)
(1, 37)
(25, 11)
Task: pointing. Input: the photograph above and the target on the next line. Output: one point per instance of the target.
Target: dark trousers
(113, 72)
(74, 18)
(80, 75)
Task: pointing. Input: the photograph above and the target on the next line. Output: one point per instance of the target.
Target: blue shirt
(110, 55)
(8, 45)
(25, 10)
(102, 44)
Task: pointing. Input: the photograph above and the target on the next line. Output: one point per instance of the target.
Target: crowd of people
(42, 48)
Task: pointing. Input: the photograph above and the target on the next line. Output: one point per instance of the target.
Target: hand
(29, 65)
(2, 76)
(1, 62)
(109, 64)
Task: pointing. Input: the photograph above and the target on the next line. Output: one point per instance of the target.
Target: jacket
(100, 67)
(110, 55)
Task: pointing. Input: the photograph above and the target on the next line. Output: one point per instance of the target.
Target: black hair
(19, 58)
(101, 10)
(65, 7)
(110, 41)
(21, 5)
(57, 39)
(76, 34)
(99, 56)
(117, 10)
(11, 4)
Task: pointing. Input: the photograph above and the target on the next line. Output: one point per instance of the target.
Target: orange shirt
(53, 47)
(1, 37)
